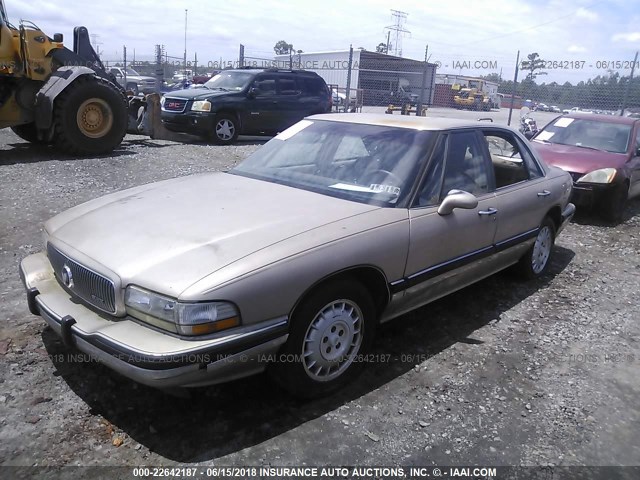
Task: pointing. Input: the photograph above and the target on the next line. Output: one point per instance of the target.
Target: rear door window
(288, 85)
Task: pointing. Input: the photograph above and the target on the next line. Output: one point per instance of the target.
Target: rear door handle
(544, 193)
(491, 211)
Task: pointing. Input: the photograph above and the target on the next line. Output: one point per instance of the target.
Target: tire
(90, 117)
(133, 87)
(329, 332)
(225, 129)
(29, 133)
(614, 203)
(536, 261)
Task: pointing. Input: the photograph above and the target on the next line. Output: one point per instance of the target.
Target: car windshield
(230, 81)
(587, 133)
(364, 163)
(131, 71)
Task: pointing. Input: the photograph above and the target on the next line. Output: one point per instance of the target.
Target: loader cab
(3, 13)
(7, 43)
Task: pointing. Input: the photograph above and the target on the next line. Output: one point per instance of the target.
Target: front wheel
(536, 261)
(90, 117)
(225, 130)
(330, 331)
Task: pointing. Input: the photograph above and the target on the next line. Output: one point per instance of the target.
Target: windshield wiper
(590, 148)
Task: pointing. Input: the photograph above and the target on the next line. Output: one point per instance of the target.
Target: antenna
(398, 29)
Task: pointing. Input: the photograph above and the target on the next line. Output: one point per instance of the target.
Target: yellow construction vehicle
(472, 98)
(52, 95)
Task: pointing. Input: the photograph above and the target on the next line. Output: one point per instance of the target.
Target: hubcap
(225, 129)
(94, 118)
(332, 340)
(541, 249)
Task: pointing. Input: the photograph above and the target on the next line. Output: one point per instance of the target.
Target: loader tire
(90, 117)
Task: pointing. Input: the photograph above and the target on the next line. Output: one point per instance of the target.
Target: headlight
(604, 175)
(184, 318)
(162, 100)
(201, 106)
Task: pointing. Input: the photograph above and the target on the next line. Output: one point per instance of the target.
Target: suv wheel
(225, 130)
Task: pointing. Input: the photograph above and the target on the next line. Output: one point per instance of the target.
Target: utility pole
(398, 29)
(185, 44)
(388, 42)
(96, 43)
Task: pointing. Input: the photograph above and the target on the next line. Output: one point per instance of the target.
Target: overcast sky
(459, 34)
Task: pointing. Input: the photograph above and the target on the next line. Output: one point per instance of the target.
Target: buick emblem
(67, 276)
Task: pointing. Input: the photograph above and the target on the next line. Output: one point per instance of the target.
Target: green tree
(492, 77)
(534, 65)
(282, 47)
(381, 48)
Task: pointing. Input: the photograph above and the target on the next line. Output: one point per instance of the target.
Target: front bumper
(195, 123)
(141, 353)
(590, 194)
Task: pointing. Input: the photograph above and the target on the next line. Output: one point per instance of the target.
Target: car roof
(406, 121)
(602, 118)
(271, 70)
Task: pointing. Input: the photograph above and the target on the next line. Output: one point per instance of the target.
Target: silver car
(133, 81)
(289, 261)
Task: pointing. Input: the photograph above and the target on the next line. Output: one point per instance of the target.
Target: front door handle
(491, 211)
(544, 193)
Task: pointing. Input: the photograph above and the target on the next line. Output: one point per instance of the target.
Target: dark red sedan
(602, 154)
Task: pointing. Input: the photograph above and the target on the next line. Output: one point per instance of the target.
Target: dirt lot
(501, 373)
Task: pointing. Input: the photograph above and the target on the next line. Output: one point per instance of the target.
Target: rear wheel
(614, 203)
(536, 261)
(90, 117)
(29, 133)
(225, 130)
(330, 330)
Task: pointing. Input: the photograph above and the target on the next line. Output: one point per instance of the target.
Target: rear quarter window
(313, 86)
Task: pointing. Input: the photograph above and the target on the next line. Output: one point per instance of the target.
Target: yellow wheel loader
(52, 95)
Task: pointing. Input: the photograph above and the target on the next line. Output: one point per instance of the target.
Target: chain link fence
(362, 80)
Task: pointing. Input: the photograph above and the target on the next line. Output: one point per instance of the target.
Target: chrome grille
(177, 105)
(87, 284)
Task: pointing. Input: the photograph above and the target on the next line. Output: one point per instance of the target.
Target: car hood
(578, 159)
(168, 235)
(197, 93)
(141, 78)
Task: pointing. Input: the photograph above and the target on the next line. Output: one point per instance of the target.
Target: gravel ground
(501, 373)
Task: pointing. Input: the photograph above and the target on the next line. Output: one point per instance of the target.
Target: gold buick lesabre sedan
(289, 261)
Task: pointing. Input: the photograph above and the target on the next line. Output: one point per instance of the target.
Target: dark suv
(247, 102)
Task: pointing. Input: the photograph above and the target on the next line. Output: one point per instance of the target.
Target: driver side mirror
(457, 199)
(253, 92)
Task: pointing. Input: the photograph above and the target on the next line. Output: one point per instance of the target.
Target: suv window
(288, 86)
(466, 166)
(265, 85)
(312, 85)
